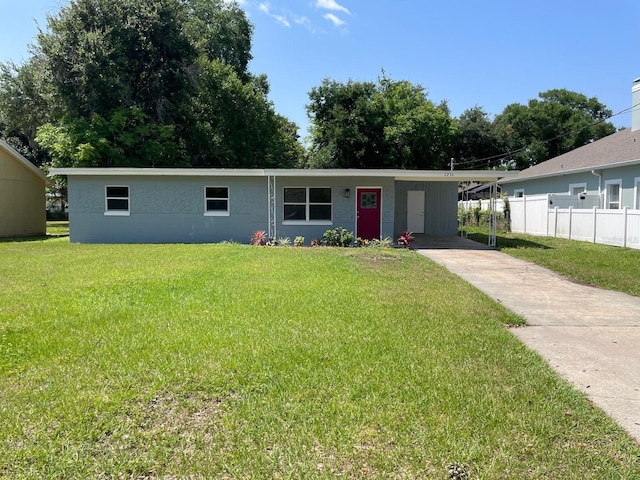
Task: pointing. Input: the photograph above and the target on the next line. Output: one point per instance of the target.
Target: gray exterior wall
(560, 183)
(171, 209)
(441, 207)
(344, 209)
(166, 210)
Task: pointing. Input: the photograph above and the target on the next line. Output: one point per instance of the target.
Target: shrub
(406, 239)
(259, 237)
(284, 241)
(298, 241)
(337, 237)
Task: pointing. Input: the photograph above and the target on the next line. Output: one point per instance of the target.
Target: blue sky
(468, 53)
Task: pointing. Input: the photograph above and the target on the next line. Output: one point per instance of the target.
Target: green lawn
(231, 361)
(604, 266)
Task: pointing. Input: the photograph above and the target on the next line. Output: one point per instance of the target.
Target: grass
(603, 266)
(231, 361)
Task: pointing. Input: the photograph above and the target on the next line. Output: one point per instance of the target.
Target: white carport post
(493, 205)
(271, 187)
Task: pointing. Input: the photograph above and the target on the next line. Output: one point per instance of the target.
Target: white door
(415, 211)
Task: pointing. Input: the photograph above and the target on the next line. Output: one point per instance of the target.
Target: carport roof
(401, 175)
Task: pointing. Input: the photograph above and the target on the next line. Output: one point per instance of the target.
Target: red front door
(368, 212)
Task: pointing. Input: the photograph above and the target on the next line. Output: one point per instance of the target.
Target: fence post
(524, 208)
(625, 217)
(595, 221)
(570, 220)
(555, 223)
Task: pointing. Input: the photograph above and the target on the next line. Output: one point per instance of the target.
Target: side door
(415, 211)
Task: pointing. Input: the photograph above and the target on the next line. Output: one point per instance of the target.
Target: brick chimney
(635, 103)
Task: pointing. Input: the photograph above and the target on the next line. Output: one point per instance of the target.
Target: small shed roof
(401, 175)
(13, 153)
(616, 150)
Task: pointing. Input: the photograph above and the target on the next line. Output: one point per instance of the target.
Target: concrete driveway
(590, 336)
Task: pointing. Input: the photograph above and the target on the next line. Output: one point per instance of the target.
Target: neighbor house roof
(13, 153)
(408, 175)
(616, 150)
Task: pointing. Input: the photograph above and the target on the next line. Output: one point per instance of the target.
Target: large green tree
(558, 121)
(475, 144)
(386, 124)
(139, 83)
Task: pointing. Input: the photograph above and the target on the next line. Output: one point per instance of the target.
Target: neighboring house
(147, 205)
(603, 174)
(22, 195)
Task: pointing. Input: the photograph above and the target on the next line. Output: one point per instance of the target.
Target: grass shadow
(32, 238)
(507, 242)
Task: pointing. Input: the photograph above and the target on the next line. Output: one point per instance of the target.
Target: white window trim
(616, 181)
(573, 186)
(517, 191)
(216, 213)
(636, 193)
(307, 204)
(117, 213)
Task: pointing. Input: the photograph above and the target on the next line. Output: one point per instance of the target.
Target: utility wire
(508, 154)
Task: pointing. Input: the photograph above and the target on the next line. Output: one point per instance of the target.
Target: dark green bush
(337, 237)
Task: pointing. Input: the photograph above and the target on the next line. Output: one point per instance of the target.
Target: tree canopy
(556, 122)
(388, 124)
(139, 83)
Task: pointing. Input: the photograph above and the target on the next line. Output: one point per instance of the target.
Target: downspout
(599, 175)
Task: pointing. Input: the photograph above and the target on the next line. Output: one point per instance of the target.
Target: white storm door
(415, 211)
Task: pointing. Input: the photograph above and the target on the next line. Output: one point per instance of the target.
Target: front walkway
(590, 336)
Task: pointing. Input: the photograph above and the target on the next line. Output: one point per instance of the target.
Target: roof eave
(403, 175)
(24, 162)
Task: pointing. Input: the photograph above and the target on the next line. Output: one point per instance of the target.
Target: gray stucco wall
(171, 209)
(166, 210)
(560, 184)
(441, 207)
(344, 209)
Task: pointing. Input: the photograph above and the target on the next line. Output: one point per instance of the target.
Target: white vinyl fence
(484, 204)
(536, 215)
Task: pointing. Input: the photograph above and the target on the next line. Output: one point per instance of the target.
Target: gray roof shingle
(620, 147)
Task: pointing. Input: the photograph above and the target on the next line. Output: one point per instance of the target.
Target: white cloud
(265, 8)
(305, 22)
(335, 20)
(331, 5)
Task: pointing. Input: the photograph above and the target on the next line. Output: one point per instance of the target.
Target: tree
(388, 124)
(25, 102)
(139, 83)
(559, 121)
(476, 145)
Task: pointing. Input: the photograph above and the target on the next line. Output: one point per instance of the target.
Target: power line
(508, 154)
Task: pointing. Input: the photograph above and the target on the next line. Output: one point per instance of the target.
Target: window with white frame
(308, 204)
(636, 193)
(116, 200)
(613, 194)
(518, 192)
(577, 188)
(216, 201)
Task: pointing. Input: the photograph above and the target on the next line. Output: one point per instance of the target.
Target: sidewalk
(590, 336)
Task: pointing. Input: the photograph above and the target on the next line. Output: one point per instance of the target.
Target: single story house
(603, 174)
(166, 205)
(22, 195)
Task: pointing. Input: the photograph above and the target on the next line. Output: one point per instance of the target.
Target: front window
(216, 201)
(307, 204)
(116, 200)
(518, 193)
(613, 189)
